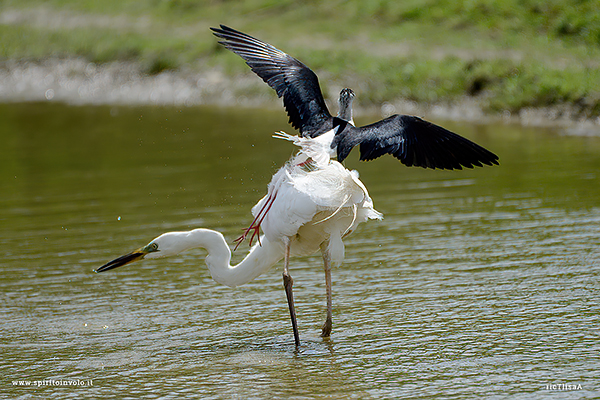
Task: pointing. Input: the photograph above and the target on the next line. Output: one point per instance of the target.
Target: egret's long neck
(257, 261)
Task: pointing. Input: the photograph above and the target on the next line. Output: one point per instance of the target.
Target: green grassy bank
(507, 55)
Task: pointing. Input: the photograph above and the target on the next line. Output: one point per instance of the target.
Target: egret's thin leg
(288, 282)
(326, 332)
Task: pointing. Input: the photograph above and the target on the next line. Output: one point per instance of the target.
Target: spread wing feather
(415, 142)
(291, 79)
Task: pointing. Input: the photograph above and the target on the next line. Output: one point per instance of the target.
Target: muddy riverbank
(78, 82)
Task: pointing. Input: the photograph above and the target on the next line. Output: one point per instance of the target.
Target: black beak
(126, 259)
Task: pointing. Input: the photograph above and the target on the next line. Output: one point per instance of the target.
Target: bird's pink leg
(255, 225)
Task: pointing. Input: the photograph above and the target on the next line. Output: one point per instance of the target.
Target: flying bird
(414, 141)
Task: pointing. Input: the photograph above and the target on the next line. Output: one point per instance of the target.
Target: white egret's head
(167, 244)
(151, 250)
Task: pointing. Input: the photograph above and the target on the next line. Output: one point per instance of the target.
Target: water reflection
(478, 282)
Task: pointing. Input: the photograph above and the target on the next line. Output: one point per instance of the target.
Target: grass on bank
(508, 54)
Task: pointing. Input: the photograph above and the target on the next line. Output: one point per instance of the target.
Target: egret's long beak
(126, 259)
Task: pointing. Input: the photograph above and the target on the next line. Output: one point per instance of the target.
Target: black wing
(414, 142)
(291, 79)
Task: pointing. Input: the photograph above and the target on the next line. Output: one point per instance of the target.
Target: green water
(478, 283)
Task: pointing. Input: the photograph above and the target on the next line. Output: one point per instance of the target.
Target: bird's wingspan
(291, 79)
(415, 142)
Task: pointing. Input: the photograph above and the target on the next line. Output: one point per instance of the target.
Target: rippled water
(477, 283)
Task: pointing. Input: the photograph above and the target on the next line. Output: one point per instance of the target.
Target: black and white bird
(412, 140)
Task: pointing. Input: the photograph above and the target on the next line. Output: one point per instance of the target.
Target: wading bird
(414, 141)
(310, 206)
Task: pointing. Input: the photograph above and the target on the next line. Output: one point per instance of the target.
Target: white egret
(311, 205)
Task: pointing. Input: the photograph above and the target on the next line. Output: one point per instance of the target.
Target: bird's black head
(347, 94)
(345, 104)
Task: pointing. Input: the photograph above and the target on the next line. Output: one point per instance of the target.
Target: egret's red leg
(255, 225)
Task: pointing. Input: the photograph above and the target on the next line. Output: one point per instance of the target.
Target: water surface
(477, 283)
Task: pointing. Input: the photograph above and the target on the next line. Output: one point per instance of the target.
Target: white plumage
(315, 202)
(312, 202)
(318, 150)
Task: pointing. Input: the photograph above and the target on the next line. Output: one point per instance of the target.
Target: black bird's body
(412, 140)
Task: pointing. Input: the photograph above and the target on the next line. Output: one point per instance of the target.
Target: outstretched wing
(292, 80)
(415, 142)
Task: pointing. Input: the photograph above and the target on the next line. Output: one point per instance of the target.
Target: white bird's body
(314, 204)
